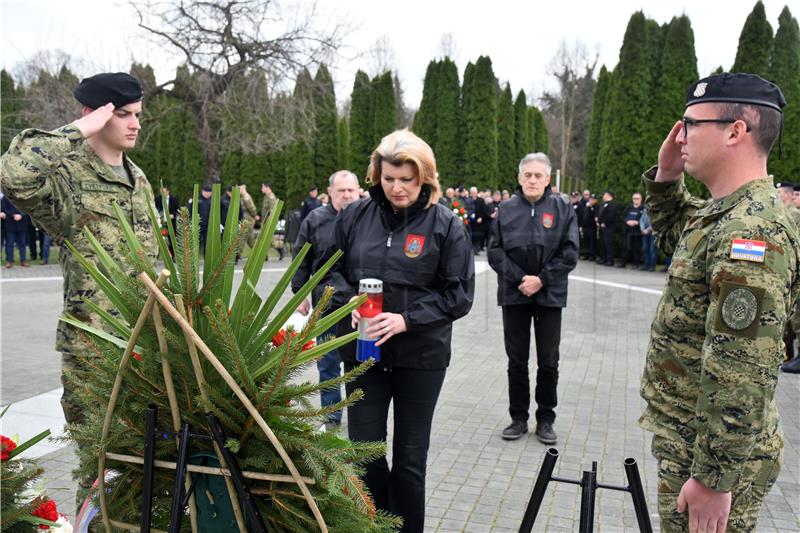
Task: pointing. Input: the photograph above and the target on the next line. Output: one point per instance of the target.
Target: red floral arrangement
(460, 212)
(282, 335)
(47, 510)
(6, 447)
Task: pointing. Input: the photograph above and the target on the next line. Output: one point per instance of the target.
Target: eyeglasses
(698, 121)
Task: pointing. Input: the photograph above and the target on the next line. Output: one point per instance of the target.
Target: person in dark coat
(533, 247)
(420, 250)
(173, 205)
(17, 224)
(632, 232)
(607, 221)
(310, 203)
(588, 226)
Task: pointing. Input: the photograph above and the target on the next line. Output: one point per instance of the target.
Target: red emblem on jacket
(414, 245)
(548, 219)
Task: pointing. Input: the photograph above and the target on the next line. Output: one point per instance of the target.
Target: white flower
(66, 527)
(455, 211)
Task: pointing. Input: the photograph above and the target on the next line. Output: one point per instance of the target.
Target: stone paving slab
(478, 483)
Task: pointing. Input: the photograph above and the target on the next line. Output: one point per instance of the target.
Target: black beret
(312, 188)
(737, 88)
(207, 188)
(607, 191)
(797, 188)
(785, 185)
(118, 88)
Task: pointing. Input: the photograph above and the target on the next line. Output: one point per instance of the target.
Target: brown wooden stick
(201, 384)
(172, 397)
(112, 401)
(223, 372)
(213, 470)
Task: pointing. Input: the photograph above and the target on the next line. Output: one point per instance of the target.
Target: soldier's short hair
(266, 184)
(538, 157)
(764, 122)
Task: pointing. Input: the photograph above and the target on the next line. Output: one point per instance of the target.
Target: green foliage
(169, 149)
(479, 107)
(424, 125)
(786, 73)
(326, 120)
(678, 72)
(361, 123)
(538, 131)
(342, 144)
(628, 143)
(507, 157)
(384, 117)
(239, 326)
(595, 130)
(755, 44)
(522, 132)
(10, 104)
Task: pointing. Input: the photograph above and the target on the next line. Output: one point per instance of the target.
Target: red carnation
(279, 338)
(137, 356)
(456, 204)
(48, 511)
(164, 232)
(308, 345)
(6, 447)
(461, 211)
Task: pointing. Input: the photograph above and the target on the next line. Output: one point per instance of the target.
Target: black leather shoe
(517, 429)
(791, 366)
(545, 433)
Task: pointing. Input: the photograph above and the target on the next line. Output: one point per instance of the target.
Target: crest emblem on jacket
(548, 219)
(414, 245)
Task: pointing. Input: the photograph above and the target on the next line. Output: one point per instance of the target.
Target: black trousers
(589, 241)
(517, 336)
(401, 488)
(633, 248)
(607, 237)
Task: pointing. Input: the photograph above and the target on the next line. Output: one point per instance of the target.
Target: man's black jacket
(424, 258)
(317, 228)
(608, 215)
(540, 240)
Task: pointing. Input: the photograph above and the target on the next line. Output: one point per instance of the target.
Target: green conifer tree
(384, 107)
(448, 147)
(361, 124)
(507, 159)
(540, 139)
(343, 144)
(626, 138)
(9, 107)
(785, 72)
(480, 112)
(522, 132)
(300, 170)
(595, 128)
(755, 44)
(325, 118)
(425, 120)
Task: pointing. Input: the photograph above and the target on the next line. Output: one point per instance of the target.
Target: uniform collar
(518, 192)
(105, 171)
(746, 191)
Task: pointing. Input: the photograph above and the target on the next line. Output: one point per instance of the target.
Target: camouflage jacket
(267, 205)
(716, 341)
(59, 180)
(249, 210)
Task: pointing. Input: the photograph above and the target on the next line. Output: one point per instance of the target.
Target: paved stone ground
(476, 481)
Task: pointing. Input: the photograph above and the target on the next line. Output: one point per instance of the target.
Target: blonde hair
(401, 147)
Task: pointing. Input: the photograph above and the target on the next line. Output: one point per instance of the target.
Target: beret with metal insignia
(737, 88)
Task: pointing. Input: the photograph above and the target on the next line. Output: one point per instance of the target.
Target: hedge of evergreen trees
(637, 103)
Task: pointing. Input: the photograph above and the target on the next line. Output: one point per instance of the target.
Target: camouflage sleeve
(30, 177)
(249, 205)
(669, 205)
(749, 302)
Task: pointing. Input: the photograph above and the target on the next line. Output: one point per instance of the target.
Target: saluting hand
(670, 162)
(95, 121)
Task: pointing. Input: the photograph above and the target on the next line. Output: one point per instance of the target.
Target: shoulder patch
(738, 309)
(748, 250)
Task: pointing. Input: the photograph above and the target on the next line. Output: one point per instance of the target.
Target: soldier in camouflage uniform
(268, 203)
(249, 213)
(716, 340)
(68, 179)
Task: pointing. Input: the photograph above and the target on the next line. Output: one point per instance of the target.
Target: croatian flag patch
(748, 250)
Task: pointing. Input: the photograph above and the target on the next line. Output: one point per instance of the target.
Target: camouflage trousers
(74, 414)
(674, 469)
